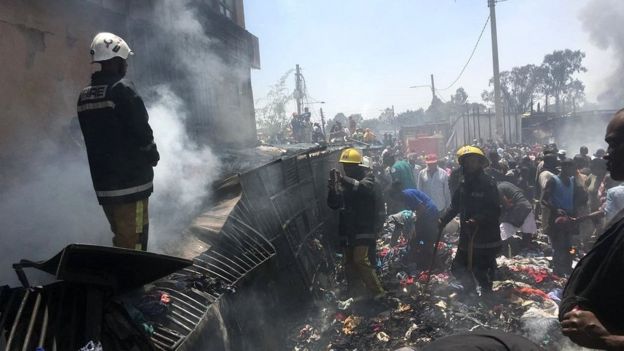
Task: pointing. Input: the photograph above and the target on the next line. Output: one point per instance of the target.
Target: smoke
(583, 132)
(601, 19)
(187, 169)
(184, 174)
(52, 206)
(55, 204)
(212, 76)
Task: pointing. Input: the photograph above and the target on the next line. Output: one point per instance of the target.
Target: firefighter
(119, 141)
(357, 196)
(476, 201)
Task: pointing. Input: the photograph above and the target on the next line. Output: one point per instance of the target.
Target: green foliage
(554, 77)
(272, 118)
(387, 115)
(519, 86)
(342, 118)
(411, 118)
(460, 97)
(560, 69)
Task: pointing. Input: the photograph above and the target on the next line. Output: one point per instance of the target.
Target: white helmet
(105, 46)
(366, 162)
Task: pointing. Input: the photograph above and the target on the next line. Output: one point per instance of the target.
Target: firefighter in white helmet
(119, 141)
(362, 213)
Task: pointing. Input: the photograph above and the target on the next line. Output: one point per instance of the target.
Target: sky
(361, 56)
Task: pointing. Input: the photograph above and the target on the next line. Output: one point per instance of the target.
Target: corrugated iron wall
(285, 202)
(273, 246)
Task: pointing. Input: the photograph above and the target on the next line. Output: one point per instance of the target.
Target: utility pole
(322, 121)
(433, 94)
(394, 120)
(298, 91)
(498, 106)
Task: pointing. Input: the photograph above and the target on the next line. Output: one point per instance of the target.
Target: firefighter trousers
(359, 271)
(129, 223)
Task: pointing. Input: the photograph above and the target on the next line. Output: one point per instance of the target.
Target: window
(226, 7)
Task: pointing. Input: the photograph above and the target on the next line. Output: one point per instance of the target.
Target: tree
(357, 117)
(272, 117)
(411, 118)
(460, 97)
(341, 117)
(575, 96)
(386, 115)
(559, 70)
(488, 97)
(518, 88)
(521, 85)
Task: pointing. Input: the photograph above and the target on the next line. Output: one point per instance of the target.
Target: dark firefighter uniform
(476, 199)
(121, 151)
(361, 217)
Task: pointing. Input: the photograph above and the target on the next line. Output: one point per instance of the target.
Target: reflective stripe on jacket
(118, 138)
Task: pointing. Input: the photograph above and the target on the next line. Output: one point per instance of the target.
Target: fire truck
(425, 139)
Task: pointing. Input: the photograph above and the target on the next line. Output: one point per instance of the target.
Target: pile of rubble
(415, 312)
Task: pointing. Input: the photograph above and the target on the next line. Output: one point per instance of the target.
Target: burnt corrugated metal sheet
(275, 213)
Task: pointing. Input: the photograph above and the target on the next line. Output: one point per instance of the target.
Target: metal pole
(516, 125)
(468, 126)
(464, 125)
(520, 129)
(504, 126)
(474, 124)
(509, 125)
(497, 93)
(490, 122)
(433, 89)
(469, 140)
(479, 122)
(322, 121)
(298, 92)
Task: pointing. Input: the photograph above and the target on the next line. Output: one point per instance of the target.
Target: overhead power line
(469, 58)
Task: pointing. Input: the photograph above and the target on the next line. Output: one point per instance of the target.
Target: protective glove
(151, 154)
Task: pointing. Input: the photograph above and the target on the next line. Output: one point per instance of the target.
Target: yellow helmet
(351, 155)
(470, 150)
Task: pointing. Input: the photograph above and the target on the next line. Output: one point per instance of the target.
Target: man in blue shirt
(422, 244)
(557, 211)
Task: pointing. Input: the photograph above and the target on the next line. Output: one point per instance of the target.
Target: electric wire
(469, 58)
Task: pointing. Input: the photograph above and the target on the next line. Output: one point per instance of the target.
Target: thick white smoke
(184, 174)
(56, 204)
(52, 207)
(602, 19)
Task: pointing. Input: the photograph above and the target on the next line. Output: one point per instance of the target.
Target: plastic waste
(92, 346)
(555, 295)
(350, 324)
(155, 304)
(382, 336)
(343, 305)
(410, 330)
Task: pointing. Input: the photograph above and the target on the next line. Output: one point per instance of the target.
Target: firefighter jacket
(362, 210)
(119, 141)
(476, 198)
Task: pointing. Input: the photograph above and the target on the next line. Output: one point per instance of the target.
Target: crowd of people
(502, 195)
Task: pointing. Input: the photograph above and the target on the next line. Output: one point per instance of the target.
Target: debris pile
(415, 312)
